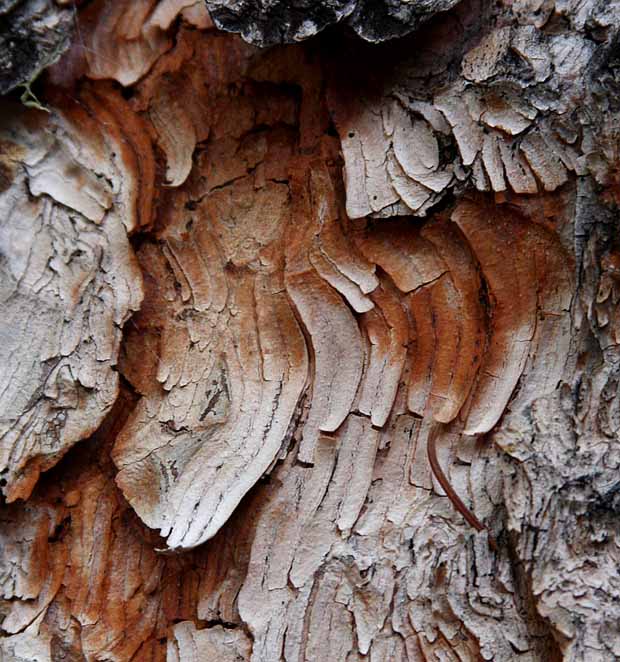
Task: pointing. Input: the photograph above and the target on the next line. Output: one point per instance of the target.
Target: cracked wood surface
(259, 282)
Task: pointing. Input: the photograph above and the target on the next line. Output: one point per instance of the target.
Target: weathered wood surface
(255, 282)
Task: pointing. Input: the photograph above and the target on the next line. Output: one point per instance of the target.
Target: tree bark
(310, 351)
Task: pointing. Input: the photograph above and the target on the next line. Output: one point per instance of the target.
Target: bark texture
(271, 289)
(266, 22)
(33, 35)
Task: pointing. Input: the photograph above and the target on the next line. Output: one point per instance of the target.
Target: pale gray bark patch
(191, 645)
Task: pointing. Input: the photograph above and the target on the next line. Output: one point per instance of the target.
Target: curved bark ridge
(123, 41)
(271, 319)
(81, 577)
(70, 279)
(495, 113)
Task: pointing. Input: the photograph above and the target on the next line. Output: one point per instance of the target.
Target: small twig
(441, 477)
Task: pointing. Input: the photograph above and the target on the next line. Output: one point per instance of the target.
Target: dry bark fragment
(268, 23)
(71, 281)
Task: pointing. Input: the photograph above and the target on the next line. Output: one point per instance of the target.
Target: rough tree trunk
(261, 284)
